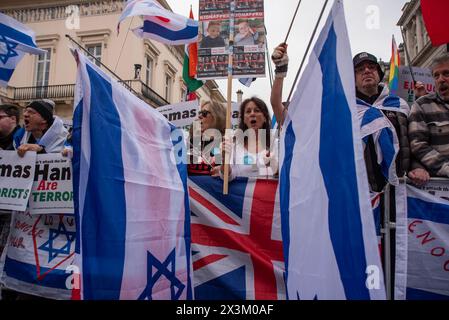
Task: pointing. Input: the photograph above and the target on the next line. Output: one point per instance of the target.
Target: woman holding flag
(252, 152)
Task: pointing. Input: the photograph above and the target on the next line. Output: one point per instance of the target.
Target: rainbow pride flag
(394, 68)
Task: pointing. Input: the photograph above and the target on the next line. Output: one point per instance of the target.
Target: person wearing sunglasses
(205, 138)
(9, 125)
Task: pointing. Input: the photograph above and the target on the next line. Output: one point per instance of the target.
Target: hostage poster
(214, 35)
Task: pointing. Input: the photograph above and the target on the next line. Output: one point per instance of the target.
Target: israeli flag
(373, 123)
(161, 24)
(330, 244)
(130, 196)
(16, 39)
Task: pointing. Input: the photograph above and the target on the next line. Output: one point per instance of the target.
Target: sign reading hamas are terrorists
(214, 34)
(52, 190)
(16, 178)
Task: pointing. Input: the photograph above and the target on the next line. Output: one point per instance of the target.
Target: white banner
(406, 82)
(39, 255)
(422, 247)
(52, 190)
(16, 179)
(183, 114)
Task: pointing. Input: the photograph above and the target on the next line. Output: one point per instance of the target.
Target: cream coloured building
(420, 49)
(152, 69)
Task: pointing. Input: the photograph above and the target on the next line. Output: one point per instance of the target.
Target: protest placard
(406, 84)
(16, 179)
(52, 190)
(39, 253)
(183, 114)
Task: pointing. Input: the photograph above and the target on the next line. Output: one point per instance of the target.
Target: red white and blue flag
(161, 24)
(236, 240)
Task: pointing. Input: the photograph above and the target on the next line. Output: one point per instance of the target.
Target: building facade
(419, 51)
(153, 70)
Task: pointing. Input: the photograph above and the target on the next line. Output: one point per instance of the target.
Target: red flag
(436, 20)
(191, 96)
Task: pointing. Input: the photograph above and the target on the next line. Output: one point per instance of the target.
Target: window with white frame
(183, 94)
(43, 68)
(149, 65)
(168, 87)
(95, 50)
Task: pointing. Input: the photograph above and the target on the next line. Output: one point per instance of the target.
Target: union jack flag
(236, 240)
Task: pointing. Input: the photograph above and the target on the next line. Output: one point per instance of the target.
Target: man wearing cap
(9, 125)
(368, 77)
(429, 123)
(44, 133)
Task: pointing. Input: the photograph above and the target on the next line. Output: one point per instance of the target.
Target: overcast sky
(371, 24)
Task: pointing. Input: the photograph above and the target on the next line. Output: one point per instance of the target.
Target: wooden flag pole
(229, 99)
(228, 128)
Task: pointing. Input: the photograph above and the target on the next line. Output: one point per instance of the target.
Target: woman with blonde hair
(205, 138)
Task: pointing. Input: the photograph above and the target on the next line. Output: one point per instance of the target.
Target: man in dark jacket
(9, 125)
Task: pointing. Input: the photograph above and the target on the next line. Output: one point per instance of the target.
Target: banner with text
(39, 255)
(16, 179)
(183, 114)
(406, 84)
(52, 191)
(422, 247)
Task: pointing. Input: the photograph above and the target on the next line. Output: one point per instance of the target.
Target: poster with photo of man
(249, 39)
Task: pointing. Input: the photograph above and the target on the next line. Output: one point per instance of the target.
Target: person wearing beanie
(44, 132)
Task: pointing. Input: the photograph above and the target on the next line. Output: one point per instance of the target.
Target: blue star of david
(167, 269)
(54, 234)
(7, 49)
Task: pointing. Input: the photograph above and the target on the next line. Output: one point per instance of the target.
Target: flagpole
(103, 65)
(291, 23)
(229, 99)
(408, 58)
(123, 45)
(306, 53)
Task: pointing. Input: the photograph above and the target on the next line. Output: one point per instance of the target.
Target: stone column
(419, 31)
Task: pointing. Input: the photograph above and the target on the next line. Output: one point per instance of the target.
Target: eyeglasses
(370, 66)
(4, 116)
(203, 113)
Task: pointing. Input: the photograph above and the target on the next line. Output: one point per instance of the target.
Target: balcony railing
(153, 96)
(67, 91)
(45, 92)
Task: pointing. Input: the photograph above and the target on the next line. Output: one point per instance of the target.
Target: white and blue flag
(130, 195)
(330, 244)
(373, 123)
(422, 243)
(161, 24)
(16, 39)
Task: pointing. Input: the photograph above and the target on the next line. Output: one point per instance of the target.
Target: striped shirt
(429, 134)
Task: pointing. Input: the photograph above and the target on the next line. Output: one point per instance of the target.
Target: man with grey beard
(429, 123)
